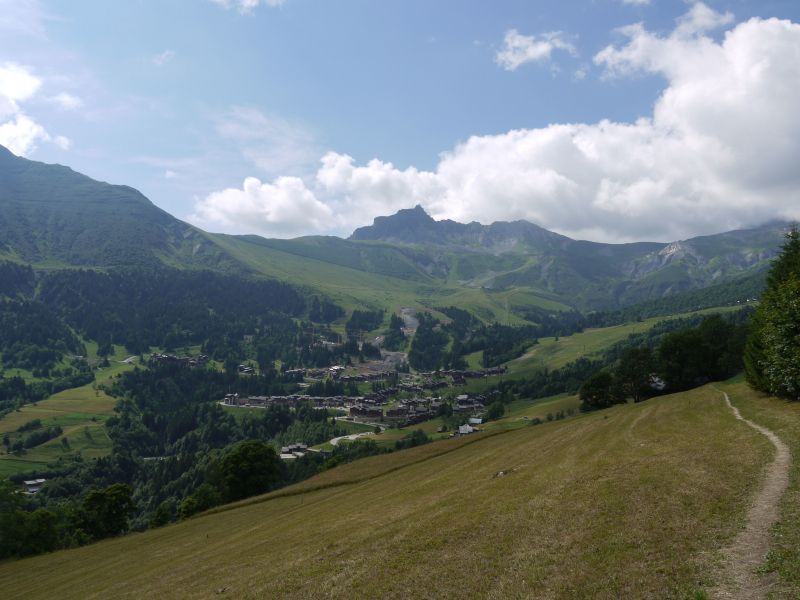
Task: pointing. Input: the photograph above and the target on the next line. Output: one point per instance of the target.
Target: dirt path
(749, 549)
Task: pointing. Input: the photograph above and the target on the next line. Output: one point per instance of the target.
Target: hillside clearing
(635, 501)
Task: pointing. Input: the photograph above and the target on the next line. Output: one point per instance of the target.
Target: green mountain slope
(633, 502)
(52, 217)
(590, 275)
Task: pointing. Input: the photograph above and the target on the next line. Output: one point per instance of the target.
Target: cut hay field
(81, 412)
(632, 502)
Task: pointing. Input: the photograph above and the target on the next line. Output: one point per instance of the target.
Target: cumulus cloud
(719, 151)
(19, 132)
(284, 208)
(246, 6)
(17, 84)
(520, 49)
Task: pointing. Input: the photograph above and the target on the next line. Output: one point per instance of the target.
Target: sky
(609, 120)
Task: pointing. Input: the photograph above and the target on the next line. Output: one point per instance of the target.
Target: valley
(336, 414)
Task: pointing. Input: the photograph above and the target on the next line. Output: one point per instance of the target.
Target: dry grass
(633, 502)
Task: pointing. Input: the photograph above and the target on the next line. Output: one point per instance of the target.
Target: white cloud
(285, 208)
(637, 2)
(19, 132)
(163, 58)
(718, 152)
(17, 84)
(246, 6)
(66, 101)
(520, 49)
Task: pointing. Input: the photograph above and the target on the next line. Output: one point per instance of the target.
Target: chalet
(232, 400)
(466, 429)
(464, 403)
(369, 412)
(293, 451)
(32, 486)
(397, 412)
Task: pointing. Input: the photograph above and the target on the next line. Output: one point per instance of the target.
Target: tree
(39, 532)
(106, 511)
(496, 410)
(633, 372)
(772, 353)
(682, 359)
(427, 347)
(10, 525)
(598, 392)
(164, 514)
(781, 338)
(250, 468)
(187, 508)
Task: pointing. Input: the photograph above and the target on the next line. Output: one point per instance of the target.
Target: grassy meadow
(81, 412)
(353, 287)
(554, 353)
(631, 502)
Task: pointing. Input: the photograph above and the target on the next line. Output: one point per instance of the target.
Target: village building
(32, 486)
(466, 429)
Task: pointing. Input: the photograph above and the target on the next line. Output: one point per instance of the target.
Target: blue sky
(221, 112)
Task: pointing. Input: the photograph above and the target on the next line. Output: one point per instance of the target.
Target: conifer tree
(772, 354)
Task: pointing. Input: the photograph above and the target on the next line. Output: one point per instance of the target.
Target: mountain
(53, 217)
(589, 273)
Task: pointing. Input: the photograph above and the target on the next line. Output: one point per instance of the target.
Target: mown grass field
(81, 412)
(631, 502)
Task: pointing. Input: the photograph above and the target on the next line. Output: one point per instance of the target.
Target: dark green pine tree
(772, 353)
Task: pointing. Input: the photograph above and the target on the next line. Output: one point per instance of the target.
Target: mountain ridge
(54, 217)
